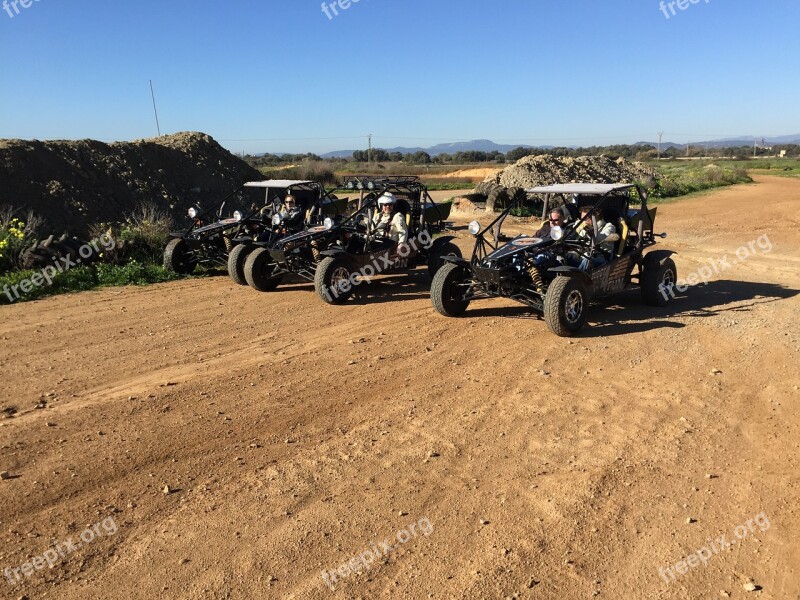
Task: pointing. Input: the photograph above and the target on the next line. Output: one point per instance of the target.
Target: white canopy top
(580, 188)
(274, 183)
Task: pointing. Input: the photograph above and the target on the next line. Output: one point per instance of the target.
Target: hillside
(75, 183)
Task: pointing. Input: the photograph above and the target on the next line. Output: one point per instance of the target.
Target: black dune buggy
(209, 237)
(299, 254)
(264, 227)
(366, 252)
(558, 274)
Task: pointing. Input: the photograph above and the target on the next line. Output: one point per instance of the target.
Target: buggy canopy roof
(276, 183)
(580, 188)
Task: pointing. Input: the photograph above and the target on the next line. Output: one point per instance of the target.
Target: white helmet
(387, 199)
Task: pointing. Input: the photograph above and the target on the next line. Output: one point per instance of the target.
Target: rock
(183, 561)
(751, 587)
(690, 520)
(716, 372)
(167, 490)
(5, 475)
(484, 522)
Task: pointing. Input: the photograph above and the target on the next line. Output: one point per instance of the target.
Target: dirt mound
(73, 184)
(502, 187)
(532, 171)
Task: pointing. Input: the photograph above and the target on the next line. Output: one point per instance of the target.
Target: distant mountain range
(452, 148)
(490, 146)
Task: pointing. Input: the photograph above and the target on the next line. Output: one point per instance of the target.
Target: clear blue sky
(412, 72)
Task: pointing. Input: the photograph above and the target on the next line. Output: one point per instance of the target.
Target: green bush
(83, 278)
(145, 233)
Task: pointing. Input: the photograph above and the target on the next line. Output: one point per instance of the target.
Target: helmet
(387, 199)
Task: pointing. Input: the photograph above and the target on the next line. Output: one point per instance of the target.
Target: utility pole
(660, 134)
(687, 149)
(369, 149)
(755, 145)
(153, 96)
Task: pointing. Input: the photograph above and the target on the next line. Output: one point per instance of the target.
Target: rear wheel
(258, 271)
(566, 305)
(435, 261)
(332, 280)
(236, 260)
(658, 283)
(447, 291)
(179, 258)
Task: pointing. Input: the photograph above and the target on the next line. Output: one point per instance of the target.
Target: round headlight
(556, 233)
(360, 185)
(371, 185)
(192, 212)
(277, 219)
(237, 215)
(328, 223)
(351, 185)
(474, 228)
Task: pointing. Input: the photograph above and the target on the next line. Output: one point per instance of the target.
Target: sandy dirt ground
(479, 457)
(475, 173)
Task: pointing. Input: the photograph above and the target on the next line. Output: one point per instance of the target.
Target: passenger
(602, 248)
(388, 222)
(556, 220)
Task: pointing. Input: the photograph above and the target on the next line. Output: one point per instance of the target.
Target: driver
(556, 220)
(390, 223)
(291, 213)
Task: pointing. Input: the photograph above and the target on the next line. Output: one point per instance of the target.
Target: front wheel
(435, 261)
(333, 280)
(236, 260)
(447, 291)
(178, 257)
(566, 305)
(258, 271)
(658, 283)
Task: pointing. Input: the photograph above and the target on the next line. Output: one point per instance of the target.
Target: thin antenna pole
(155, 111)
(369, 150)
(660, 133)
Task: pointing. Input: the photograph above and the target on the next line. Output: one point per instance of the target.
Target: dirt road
(473, 458)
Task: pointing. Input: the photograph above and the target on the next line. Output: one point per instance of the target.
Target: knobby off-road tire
(435, 261)
(658, 283)
(178, 257)
(257, 272)
(566, 305)
(236, 259)
(446, 294)
(331, 272)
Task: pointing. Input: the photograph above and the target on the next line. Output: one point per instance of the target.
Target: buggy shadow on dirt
(557, 275)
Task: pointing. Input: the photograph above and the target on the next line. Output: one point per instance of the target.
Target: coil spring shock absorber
(536, 277)
(228, 243)
(315, 250)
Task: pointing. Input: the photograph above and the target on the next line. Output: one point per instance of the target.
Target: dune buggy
(299, 254)
(557, 275)
(366, 252)
(265, 226)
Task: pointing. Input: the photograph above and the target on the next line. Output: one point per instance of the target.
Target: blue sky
(279, 75)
